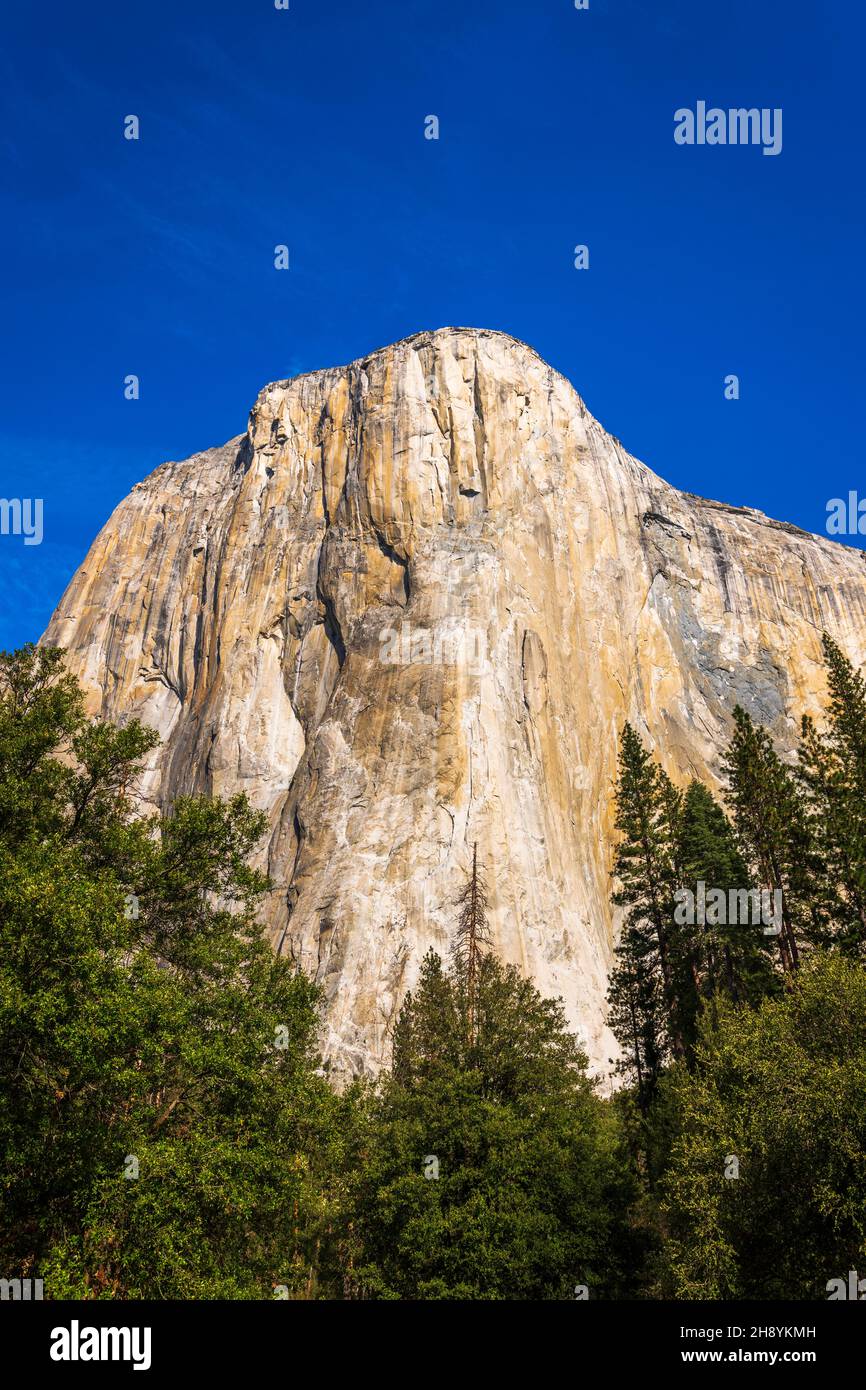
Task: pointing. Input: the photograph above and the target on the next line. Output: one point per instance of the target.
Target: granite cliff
(408, 611)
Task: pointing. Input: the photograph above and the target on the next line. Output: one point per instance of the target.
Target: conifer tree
(486, 1173)
(734, 955)
(635, 1012)
(646, 1014)
(832, 771)
(771, 826)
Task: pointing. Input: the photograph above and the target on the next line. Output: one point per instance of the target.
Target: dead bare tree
(472, 935)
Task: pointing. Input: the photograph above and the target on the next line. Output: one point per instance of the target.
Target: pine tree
(772, 829)
(635, 1010)
(734, 957)
(646, 1015)
(423, 1035)
(832, 771)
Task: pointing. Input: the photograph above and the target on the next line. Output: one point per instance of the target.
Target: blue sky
(306, 127)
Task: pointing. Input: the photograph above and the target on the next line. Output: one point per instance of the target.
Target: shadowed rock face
(410, 610)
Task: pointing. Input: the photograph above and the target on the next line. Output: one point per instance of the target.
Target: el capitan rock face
(410, 610)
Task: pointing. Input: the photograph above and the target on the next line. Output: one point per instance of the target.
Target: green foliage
(801, 831)
(484, 1166)
(139, 1009)
(669, 964)
(645, 1014)
(166, 1132)
(730, 958)
(833, 776)
(772, 830)
(782, 1088)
